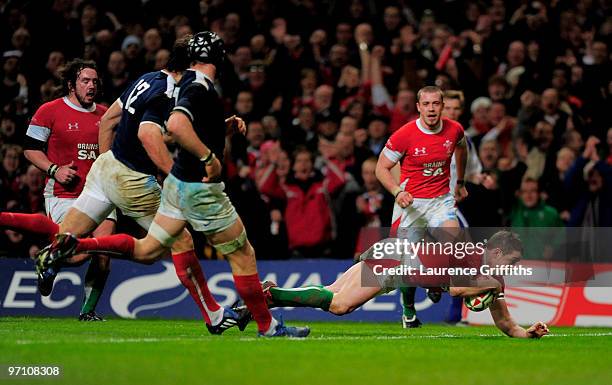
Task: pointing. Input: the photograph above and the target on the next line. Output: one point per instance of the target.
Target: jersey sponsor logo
(420, 151)
(73, 126)
(433, 168)
(87, 155)
(87, 151)
(433, 171)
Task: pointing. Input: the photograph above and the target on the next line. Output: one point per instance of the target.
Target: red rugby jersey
(425, 156)
(71, 134)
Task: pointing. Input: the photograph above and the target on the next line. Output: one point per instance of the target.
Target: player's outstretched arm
(505, 323)
(108, 122)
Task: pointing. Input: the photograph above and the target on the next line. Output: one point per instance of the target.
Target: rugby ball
(481, 301)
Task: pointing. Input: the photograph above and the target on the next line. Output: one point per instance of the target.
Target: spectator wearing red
(307, 213)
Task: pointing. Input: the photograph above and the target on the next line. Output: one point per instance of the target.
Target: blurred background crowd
(323, 83)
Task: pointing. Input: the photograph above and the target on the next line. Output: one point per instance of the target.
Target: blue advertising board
(142, 291)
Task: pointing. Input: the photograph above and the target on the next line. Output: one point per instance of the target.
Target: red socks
(33, 223)
(249, 289)
(191, 276)
(118, 244)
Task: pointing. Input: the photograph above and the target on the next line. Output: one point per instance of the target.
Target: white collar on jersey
(200, 75)
(426, 130)
(75, 107)
(170, 83)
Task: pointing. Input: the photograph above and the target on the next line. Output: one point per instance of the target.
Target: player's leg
(189, 272)
(341, 297)
(168, 232)
(89, 211)
(443, 224)
(186, 263)
(402, 218)
(352, 294)
(315, 296)
(78, 222)
(233, 243)
(412, 228)
(62, 211)
(453, 316)
(137, 195)
(96, 276)
(122, 246)
(30, 223)
(409, 317)
(93, 204)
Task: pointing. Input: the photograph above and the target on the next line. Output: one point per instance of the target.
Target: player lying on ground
(347, 293)
(192, 192)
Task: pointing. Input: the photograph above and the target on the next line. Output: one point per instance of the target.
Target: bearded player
(62, 140)
(364, 281)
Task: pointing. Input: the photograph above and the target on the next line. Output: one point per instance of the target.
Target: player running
(424, 148)
(192, 192)
(134, 124)
(62, 140)
(349, 292)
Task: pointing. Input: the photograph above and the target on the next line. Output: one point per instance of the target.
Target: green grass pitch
(181, 352)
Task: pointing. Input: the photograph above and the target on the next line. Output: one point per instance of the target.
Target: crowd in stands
(322, 84)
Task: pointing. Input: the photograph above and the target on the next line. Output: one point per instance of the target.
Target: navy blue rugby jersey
(200, 102)
(149, 99)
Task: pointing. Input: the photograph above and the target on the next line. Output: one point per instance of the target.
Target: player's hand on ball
(404, 199)
(538, 330)
(65, 174)
(213, 171)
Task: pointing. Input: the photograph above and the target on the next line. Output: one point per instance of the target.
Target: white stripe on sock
(215, 316)
(272, 329)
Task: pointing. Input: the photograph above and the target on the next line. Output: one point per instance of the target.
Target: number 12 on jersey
(140, 87)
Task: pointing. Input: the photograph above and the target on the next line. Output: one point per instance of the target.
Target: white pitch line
(321, 338)
(603, 334)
